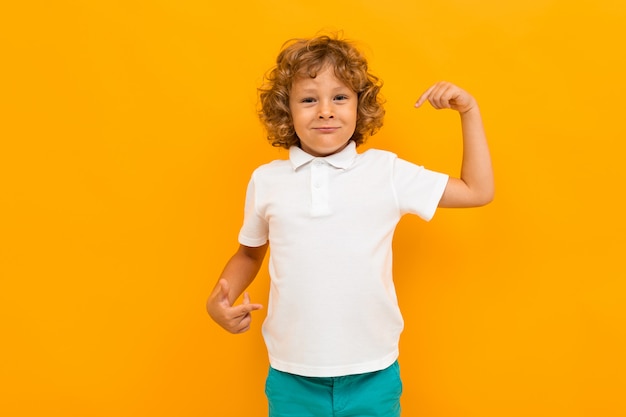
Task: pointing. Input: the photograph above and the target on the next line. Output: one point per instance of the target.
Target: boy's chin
(322, 151)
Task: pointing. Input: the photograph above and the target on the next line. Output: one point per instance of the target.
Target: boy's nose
(326, 112)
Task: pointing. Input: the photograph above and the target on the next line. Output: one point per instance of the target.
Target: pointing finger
(246, 307)
(425, 96)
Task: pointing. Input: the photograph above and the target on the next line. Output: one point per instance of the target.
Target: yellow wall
(128, 134)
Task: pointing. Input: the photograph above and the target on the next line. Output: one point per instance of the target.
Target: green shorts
(374, 394)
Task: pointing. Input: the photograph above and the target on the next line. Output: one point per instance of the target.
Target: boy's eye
(341, 97)
(308, 100)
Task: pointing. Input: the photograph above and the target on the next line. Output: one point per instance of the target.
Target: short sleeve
(254, 231)
(418, 190)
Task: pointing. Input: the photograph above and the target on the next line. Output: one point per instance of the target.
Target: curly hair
(307, 57)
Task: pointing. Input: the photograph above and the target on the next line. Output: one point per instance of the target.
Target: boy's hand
(235, 319)
(445, 95)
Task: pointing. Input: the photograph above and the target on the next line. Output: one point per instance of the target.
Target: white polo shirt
(330, 221)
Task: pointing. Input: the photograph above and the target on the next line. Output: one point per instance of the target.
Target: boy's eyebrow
(315, 90)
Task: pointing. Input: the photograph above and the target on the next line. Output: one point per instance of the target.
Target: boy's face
(324, 112)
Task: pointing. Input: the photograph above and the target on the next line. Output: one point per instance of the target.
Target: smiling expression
(324, 112)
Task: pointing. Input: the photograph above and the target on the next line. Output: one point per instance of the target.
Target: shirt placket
(319, 188)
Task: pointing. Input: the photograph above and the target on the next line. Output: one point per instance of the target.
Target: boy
(333, 322)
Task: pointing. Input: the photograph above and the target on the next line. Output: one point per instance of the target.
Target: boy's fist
(235, 319)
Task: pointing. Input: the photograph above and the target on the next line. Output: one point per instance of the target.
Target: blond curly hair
(306, 57)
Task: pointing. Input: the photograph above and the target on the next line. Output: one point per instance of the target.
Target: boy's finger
(246, 309)
(244, 327)
(424, 96)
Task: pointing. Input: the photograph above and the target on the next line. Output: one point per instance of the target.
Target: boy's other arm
(475, 187)
(238, 274)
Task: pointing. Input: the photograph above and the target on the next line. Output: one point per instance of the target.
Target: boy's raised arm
(238, 274)
(475, 187)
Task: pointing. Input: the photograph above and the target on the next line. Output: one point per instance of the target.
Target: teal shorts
(374, 394)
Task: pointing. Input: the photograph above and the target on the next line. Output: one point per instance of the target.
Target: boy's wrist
(472, 111)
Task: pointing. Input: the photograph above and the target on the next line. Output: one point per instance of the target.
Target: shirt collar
(342, 159)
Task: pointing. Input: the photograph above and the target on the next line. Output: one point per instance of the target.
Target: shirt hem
(254, 243)
(334, 371)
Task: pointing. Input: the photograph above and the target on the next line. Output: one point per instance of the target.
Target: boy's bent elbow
(486, 198)
(482, 198)
(482, 193)
(459, 194)
(476, 201)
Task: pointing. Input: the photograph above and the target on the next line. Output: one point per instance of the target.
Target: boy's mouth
(326, 129)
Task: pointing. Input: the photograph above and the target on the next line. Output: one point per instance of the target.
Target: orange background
(128, 133)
